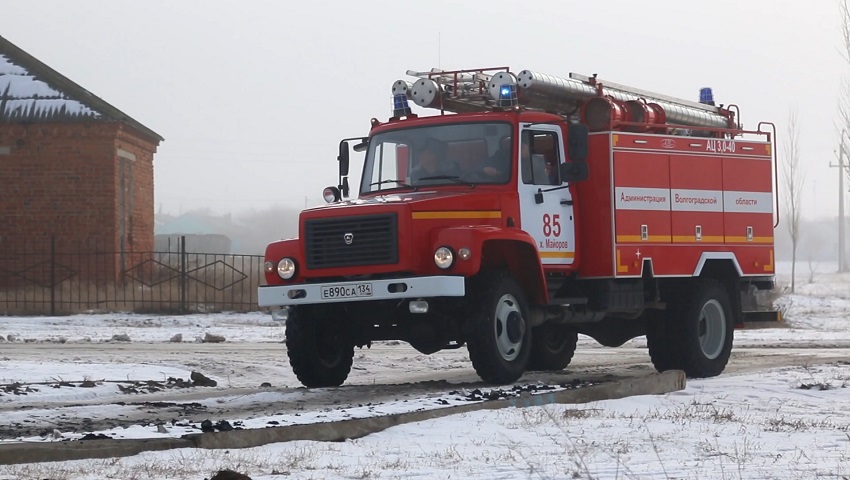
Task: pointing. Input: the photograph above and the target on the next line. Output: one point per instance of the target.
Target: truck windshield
(464, 153)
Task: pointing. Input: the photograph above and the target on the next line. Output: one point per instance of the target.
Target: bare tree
(813, 269)
(844, 100)
(793, 179)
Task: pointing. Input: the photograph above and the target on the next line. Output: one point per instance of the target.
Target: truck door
(546, 215)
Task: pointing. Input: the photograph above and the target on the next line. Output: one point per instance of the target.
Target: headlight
(444, 257)
(286, 268)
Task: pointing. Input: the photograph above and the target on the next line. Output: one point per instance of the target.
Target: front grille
(374, 241)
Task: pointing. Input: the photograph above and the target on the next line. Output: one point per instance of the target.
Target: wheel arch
(724, 268)
(718, 265)
(520, 259)
(507, 249)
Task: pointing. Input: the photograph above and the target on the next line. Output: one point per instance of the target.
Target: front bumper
(389, 289)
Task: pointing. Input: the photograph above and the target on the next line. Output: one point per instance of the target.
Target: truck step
(567, 300)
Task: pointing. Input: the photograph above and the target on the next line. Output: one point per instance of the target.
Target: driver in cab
(429, 163)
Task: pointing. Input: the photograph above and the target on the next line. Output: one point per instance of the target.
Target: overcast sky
(252, 97)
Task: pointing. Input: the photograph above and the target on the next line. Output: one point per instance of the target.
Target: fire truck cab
(533, 209)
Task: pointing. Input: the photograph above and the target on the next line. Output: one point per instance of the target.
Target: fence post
(184, 280)
(52, 275)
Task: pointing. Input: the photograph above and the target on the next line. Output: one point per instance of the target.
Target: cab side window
(539, 158)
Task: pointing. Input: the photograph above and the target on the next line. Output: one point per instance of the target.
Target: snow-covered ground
(788, 422)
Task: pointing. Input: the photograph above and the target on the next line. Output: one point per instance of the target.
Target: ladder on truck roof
(599, 103)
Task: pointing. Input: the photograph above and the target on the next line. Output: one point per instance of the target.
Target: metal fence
(41, 278)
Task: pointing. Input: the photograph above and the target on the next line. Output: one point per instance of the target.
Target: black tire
(658, 341)
(552, 347)
(696, 333)
(500, 340)
(320, 353)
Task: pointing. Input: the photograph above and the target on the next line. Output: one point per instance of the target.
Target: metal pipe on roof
(548, 92)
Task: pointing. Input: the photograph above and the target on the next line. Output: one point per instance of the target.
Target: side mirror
(343, 158)
(575, 171)
(577, 142)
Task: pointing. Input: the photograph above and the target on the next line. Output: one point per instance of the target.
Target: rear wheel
(696, 333)
(319, 351)
(552, 347)
(658, 341)
(500, 339)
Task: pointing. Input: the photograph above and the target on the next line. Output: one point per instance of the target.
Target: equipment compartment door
(546, 215)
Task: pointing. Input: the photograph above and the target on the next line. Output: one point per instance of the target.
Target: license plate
(347, 291)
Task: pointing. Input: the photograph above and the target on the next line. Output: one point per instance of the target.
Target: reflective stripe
(457, 214)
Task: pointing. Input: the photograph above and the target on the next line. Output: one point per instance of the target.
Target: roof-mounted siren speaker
(401, 95)
(599, 113)
(650, 115)
(503, 89)
(426, 93)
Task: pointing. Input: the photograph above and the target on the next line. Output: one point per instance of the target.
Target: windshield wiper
(453, 178)
(401, 183)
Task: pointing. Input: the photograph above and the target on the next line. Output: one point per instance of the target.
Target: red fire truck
(532, 208)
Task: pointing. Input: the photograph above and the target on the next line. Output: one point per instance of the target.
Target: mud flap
(762, 316)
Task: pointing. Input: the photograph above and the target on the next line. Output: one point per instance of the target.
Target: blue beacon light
(706, 96)
(400, 105)
(507, 96)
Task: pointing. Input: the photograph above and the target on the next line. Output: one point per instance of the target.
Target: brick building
(72, 166)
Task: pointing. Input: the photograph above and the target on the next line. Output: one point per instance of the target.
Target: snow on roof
(32, 91)
(9, 68)
(23, 96)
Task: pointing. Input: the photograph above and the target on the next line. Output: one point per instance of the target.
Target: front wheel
(696, 333)
(319, 351)
(500, 338)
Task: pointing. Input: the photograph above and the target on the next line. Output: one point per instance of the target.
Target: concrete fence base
(17, 453)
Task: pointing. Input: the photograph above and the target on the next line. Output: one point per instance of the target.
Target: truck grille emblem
(349, 238)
